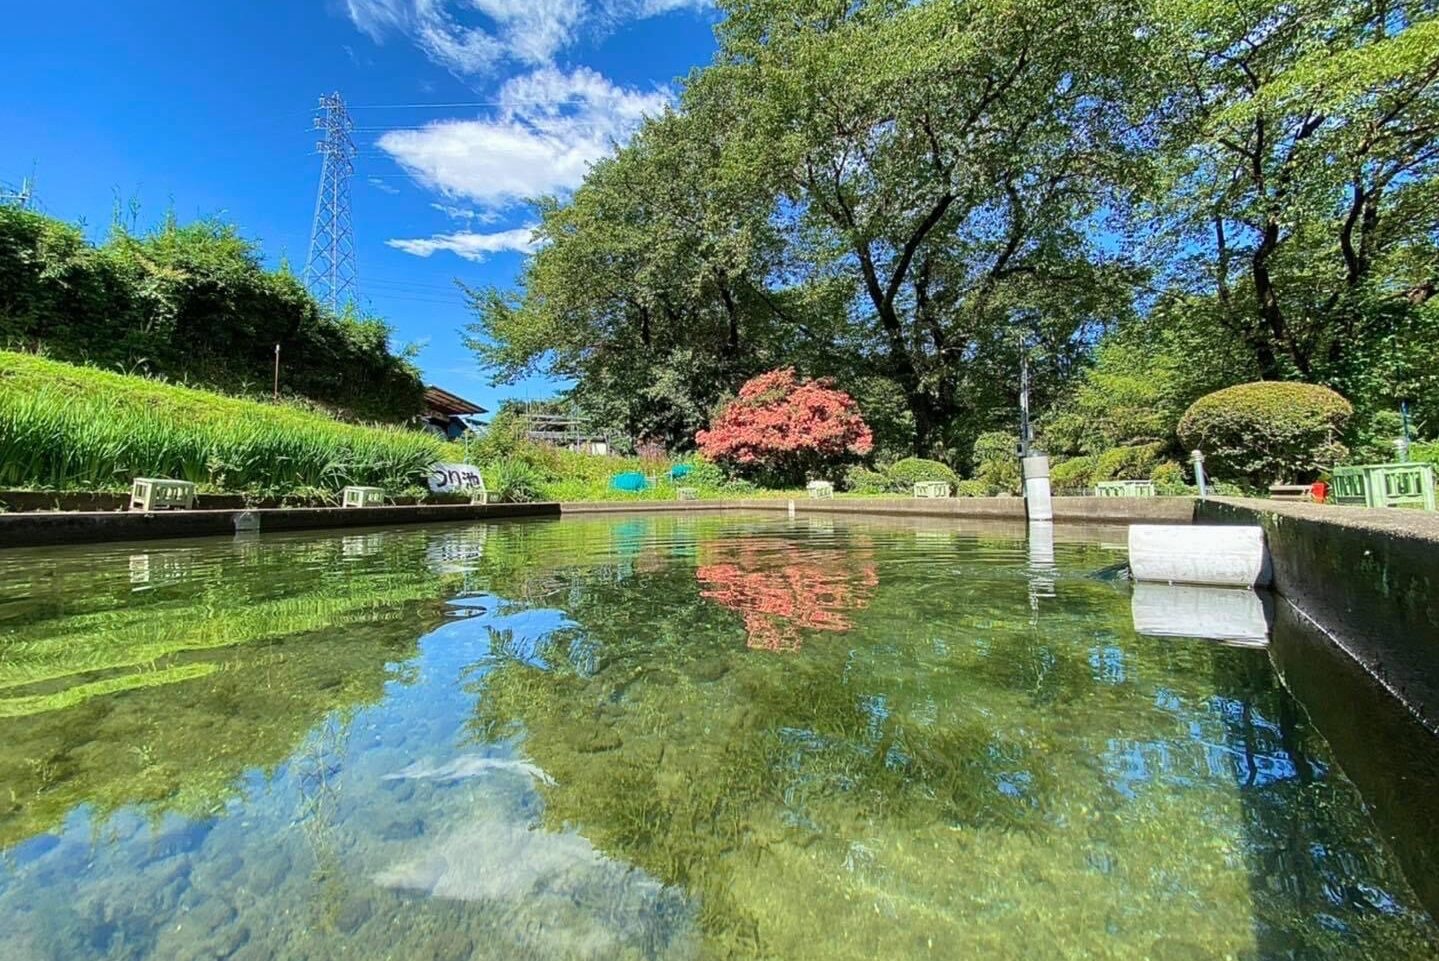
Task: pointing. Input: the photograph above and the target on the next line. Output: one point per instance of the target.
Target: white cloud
(534, 30)
(550, 127)
(383, 187)
(466, 214)
(471, 246)
(474, 36)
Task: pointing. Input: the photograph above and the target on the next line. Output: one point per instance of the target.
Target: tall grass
(64, 427)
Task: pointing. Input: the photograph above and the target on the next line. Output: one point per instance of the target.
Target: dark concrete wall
(1386, 751)
(1369, 577)
(56, 527)
(25, 501)
(1119, 510)
(43, 525)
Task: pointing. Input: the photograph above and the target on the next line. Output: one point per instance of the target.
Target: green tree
(1302, 142)
(648, 288)
(939, 164)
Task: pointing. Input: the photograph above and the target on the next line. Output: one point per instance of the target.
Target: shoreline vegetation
(68, 429)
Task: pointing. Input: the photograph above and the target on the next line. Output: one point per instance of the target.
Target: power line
(506, 102)
(330, 270)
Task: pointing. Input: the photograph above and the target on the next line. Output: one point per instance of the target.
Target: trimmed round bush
(1267, 432)
(902, 475)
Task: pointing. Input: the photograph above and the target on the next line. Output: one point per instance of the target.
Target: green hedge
(862, 480)
(1268, 432)
(1128, 463)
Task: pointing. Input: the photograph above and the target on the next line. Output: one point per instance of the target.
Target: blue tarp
(629, 481)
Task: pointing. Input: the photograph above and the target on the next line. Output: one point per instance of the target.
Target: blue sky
(208, 108)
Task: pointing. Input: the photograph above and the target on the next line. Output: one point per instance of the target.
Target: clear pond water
(658, 738)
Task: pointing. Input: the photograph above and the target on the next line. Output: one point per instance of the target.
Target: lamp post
(1199, 478)
(1034, 464)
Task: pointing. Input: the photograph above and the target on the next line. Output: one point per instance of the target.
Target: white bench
(362, 497)
(931, 489)
(687, 494)
(151, 493)
(820, 489)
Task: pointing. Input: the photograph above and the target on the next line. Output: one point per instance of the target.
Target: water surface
(660, 738)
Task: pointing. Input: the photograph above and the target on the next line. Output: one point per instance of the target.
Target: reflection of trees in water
(206, 675)
(950, 754)
(782, 590)
(1322, 883)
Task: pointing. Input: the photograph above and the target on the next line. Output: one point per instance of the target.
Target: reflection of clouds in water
(491, 628)
(468, 766)
(570, 900)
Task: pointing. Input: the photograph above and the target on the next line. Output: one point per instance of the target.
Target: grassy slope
(66, 427)
(72, 428)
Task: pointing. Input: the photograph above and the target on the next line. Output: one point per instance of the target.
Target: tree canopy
(904, 196)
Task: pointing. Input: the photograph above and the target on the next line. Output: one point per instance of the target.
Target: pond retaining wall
(43, 529)
(1369, 579)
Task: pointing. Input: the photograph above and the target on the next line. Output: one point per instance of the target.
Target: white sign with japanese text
(454, 478)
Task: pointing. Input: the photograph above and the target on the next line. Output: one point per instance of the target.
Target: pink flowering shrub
(781, 429)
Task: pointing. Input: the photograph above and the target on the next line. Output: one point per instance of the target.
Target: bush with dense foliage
(1169, 479)
(972, 488)
(783, 429)
(193, 303)
(64, 427)
(1267, 432)
(511, 480)
(1073, 475)
(904, 474)
(862, 480)
(996, 462)
(1134, 462)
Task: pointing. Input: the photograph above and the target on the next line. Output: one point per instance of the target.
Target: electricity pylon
(330, 267)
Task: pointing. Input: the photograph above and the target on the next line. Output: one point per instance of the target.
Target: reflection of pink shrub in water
(781, 595)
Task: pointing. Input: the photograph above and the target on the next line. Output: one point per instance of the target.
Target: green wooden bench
(1385, 485)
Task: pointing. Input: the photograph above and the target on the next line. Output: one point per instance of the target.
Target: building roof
(440, 401)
